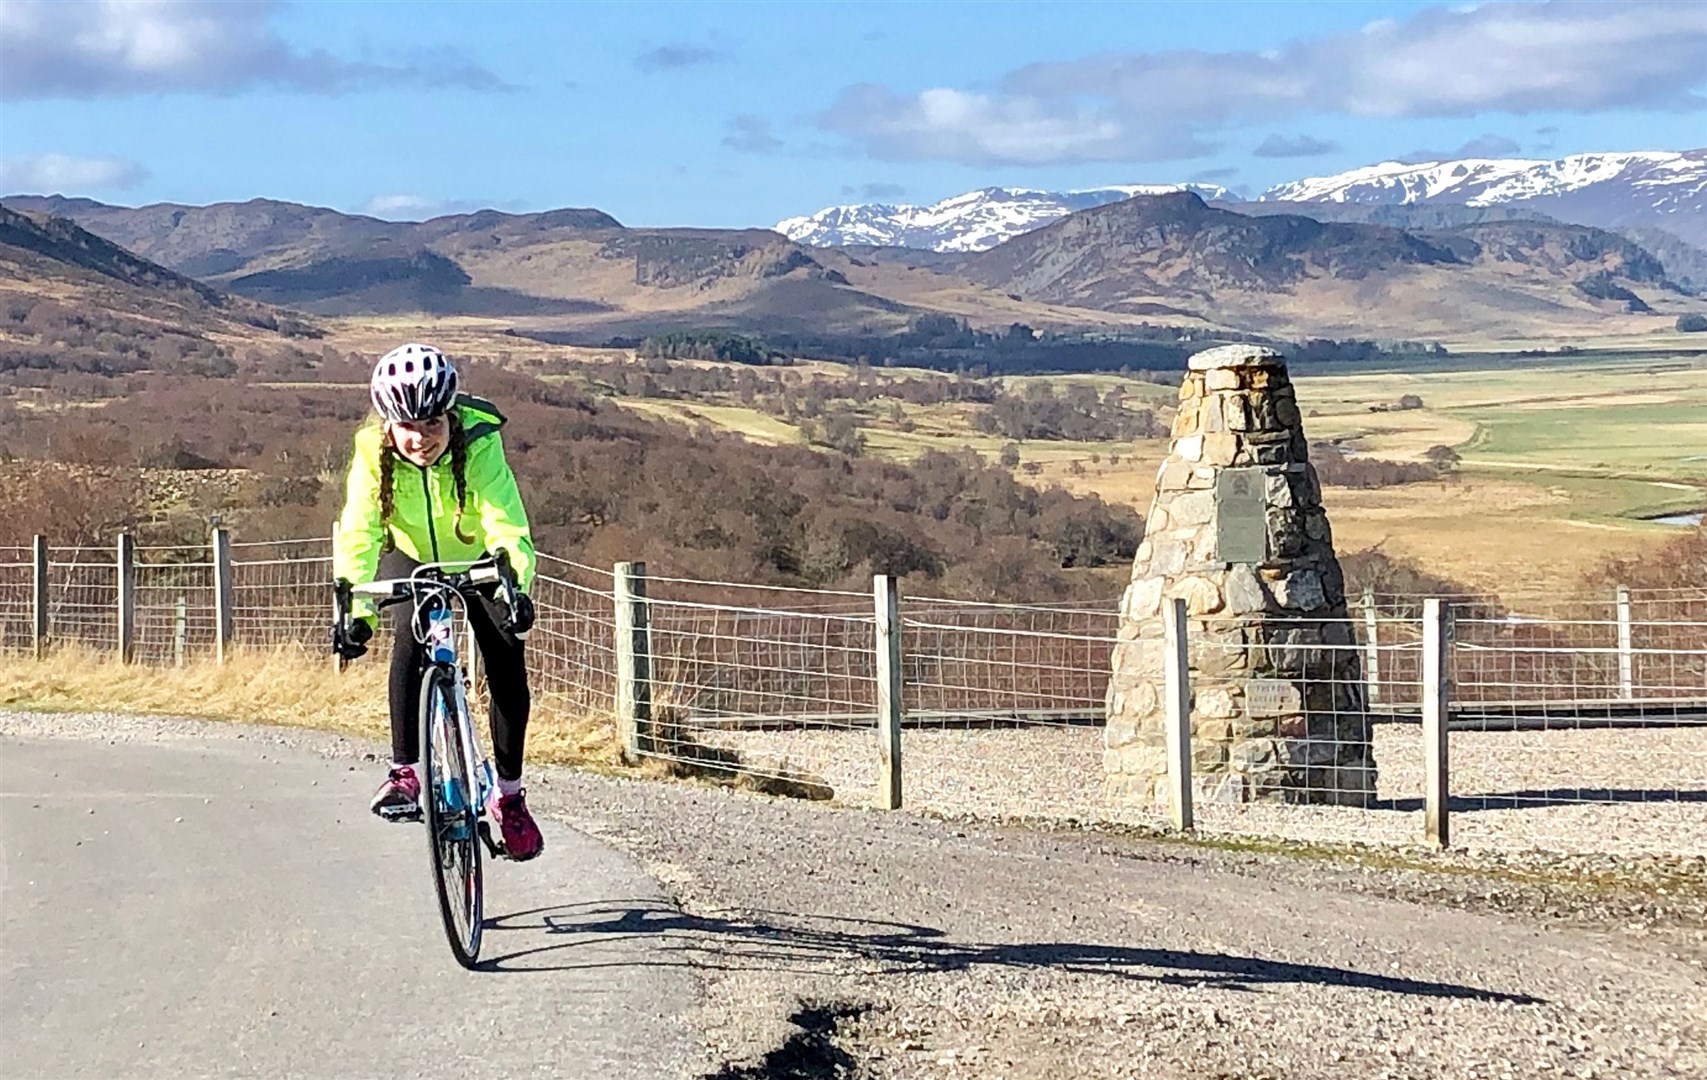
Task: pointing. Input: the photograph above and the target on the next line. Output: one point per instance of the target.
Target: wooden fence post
(38, 601)
(1371, 648)
(1626, 654)
(633, 661)
(1437, 785)
(180, 631)
(1177, 689)
(126, 573)
(887, 604)
(224, 614)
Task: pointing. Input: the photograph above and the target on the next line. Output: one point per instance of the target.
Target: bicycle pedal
(399, 814)
(495, 847)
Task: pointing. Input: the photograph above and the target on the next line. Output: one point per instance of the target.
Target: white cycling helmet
(413, 382)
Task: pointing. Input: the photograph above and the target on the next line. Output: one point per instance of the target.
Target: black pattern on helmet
(413, 382)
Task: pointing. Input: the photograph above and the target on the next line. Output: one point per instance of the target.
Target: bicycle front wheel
(448, 805)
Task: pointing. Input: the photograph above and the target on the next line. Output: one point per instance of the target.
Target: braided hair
(459, 475)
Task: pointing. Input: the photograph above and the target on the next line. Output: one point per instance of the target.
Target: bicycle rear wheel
(448, 806)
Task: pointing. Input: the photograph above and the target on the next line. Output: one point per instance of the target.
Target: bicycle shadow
(787, 941)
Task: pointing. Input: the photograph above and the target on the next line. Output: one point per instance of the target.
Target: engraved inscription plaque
(1241, 513)
(1272, 697)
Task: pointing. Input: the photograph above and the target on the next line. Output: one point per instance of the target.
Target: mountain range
(1326, 268)
(975, 221)
(1664, 190)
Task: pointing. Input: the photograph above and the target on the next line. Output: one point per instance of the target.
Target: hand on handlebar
(350, 640)
(521, 615)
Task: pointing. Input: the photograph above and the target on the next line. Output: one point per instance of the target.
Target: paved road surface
(230, 908)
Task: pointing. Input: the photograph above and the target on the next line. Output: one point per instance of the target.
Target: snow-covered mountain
(975, 221)
(1655, 188)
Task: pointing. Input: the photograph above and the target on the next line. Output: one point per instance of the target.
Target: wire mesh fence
(572, 650)
(1005, 707)
(281, 592)
(777, 683)
(1575, 723)
(83, 596)
(176, 611)
(17, 600)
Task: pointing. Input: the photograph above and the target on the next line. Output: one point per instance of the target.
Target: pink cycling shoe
(399, 798)
(522, 839)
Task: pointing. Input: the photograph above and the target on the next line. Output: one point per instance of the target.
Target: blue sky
(738, 114)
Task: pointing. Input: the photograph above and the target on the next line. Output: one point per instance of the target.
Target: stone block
(1244, 594)
(1119, 731)
(1192, 508)
(1174, 476)
(1316, 525)
(1218, 651)
(1201, 595)
(1217, 701)
(1206, 755)
(1221, 379)
(1269, 451)
(1185, 422)
(1170, 551)
(1214, 729)
(1212, 420)
(1277, 491)
(1222, 790)
(1236, 412)
(1300, 591)
(1189, 448)
(1143, 598)
(1253, 755)
(1235, 356)
(1285, 410)
(1254, 727)
(1221, 449)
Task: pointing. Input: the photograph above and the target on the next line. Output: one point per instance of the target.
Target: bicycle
(457, 778)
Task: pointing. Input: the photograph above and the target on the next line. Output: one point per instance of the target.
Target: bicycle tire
(448, 807)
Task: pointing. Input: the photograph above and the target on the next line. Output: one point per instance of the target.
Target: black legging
(506, 677)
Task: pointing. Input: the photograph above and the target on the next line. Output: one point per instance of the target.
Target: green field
(1561, 460)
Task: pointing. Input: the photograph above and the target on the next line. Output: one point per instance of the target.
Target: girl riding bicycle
(429, 483)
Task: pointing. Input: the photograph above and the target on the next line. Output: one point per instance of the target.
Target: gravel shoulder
(836, 942)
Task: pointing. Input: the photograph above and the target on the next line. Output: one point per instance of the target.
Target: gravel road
(1589, 791)
(824, 941)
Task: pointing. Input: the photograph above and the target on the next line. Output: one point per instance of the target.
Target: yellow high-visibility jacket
(423, 516)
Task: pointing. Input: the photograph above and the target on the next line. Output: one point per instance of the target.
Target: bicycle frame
(433, 624)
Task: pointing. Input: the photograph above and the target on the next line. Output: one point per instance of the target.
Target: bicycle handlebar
(429, 577)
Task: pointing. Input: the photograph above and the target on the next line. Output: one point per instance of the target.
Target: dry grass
(284, 687)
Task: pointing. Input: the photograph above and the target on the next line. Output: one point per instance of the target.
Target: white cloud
(59, 174)
(100, 48)
(421, 208)
(983, 129)
(1158, 106)
(1482, 146)
(1289, 146)
(751, 135)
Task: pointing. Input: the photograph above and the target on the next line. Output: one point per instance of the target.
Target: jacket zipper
(432, 534)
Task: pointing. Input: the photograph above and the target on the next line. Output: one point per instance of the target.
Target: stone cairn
(1237, 530)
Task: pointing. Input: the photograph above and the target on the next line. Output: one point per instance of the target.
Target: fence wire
(1576, 722)
(17, 600)
(281, 593)
(572, 650)
(83, 597)
(778, 684)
